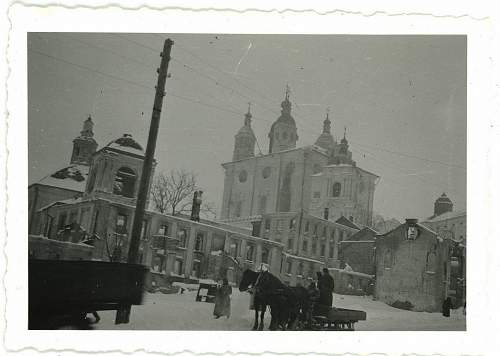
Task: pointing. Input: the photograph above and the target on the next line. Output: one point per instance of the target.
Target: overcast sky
(401, 98)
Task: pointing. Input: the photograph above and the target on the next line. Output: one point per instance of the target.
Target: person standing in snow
(447, 305)
(325, 286)
(223, 300)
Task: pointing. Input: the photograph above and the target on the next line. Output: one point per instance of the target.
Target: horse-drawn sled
(61, 293)
(292, 308)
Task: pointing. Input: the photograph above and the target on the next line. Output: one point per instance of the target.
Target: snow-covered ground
(182, 312)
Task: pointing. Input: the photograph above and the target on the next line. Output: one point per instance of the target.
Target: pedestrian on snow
(312, 297)
(318, 277)
(447, 305)
(223, 300)
(325, 285)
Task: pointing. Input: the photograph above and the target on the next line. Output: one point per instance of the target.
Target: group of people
(320, 292)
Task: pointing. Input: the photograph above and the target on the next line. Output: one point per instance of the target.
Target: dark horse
(286, 303)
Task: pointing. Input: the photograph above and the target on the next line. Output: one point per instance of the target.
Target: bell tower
(325, 140)
(244, 140)
(84, 146)
(283, 135)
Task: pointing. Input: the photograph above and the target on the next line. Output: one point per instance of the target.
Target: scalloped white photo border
(483, 129)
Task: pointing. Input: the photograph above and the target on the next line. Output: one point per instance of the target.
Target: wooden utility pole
(142, 197)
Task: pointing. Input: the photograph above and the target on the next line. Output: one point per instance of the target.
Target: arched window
(336, 189)
(125, 182)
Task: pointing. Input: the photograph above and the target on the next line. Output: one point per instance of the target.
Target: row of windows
(243, 175)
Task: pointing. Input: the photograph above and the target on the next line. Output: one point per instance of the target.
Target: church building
(321, 179)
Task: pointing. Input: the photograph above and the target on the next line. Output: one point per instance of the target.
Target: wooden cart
(63, 292)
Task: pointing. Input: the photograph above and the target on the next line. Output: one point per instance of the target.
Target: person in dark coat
(447, 305)
(222, 300)
(326, 285)
(313, 297)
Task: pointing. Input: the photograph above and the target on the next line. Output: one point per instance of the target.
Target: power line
(90, 69)
(217, 82)
(409, 155)
(196, 101)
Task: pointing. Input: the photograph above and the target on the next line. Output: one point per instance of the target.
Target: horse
(286, 303)
(248, 281)
(291, 303)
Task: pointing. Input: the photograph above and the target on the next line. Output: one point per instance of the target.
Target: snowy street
(182, 312)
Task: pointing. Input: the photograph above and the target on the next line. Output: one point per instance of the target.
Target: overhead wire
(197, 101)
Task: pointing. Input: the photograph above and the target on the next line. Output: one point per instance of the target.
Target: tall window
(265, 255)
(178, 266)
(121, 224)
(304, 246)
(182, 237)
(197, 268)
(237, 211)
(198, 246)
(267, 224)
(125, 182)
(249, 253)
(144, 229)
(292, 224)
(336, 189)
(290, 244)
(233, 249)
(61, 221)
(158, 263)
(163, 230)
(262, 204)
(300, 269)
(323, 250)
(306, 228)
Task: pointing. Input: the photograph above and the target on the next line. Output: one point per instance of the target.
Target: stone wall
(415, 272)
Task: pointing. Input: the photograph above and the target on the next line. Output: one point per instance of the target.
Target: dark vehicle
(62, 293)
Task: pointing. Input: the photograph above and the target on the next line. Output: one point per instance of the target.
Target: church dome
(442, 205)
(325, 140)
(443, 199)
(126, 143)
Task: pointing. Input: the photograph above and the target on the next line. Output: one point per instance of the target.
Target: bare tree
(173, 192)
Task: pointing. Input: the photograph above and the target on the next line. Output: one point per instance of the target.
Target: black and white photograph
(247, 182)
(236, 178)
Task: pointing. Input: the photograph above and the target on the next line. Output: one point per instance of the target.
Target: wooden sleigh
(335, 319)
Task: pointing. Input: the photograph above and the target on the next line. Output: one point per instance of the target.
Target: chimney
(325, 214)
(195, 208)
(411, 221)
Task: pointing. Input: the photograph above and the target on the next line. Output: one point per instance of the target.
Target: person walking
(312, 296)
(326, 285)
(447, 305)
(223, 300)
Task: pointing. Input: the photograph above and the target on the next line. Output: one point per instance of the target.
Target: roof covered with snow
(126, 144)
(72, 177)
(447, 216)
